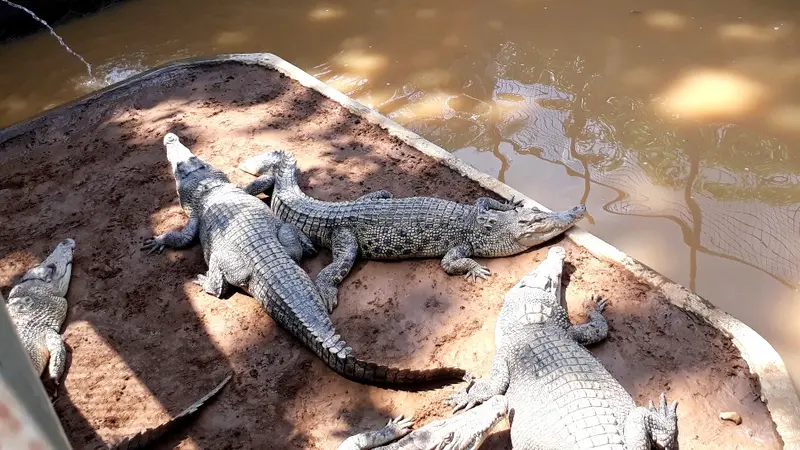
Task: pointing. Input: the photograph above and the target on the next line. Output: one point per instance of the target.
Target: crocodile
(379, 226)
(38, 308)
(143, 440)
(245, 244)
(465, 431)
(560, 396)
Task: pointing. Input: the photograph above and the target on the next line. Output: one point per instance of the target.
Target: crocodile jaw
(540, 226)
(176, 152)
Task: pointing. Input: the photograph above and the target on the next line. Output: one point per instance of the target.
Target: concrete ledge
(776, 386)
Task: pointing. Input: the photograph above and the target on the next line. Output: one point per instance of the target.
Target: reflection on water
(733, 192)
(676, 122)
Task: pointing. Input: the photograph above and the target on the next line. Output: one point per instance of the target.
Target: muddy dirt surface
(145, 342)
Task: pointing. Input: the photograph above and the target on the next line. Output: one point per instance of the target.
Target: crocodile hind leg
(457, 262)
(58, 354)
(377, 195)
(224, 267)
(394, 430)
(261, 184)
(344, 246)
(596, 329)
(652, 425)
(295, 242)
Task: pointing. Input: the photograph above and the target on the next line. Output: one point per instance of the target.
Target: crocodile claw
(200, 280)
(461, 400)
(153, 245)
(401, 424)
(601, 303)
(330, 296)
(477, 272)
(514, 203)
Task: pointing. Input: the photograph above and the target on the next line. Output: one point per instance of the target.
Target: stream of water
(675, 122)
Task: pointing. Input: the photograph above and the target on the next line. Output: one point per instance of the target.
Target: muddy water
(677, 122)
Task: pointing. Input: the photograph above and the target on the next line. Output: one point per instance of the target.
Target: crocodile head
(506, 233)
(193, 176)
(468, 430)
(534, 226)
(52, 276)
(536, 299)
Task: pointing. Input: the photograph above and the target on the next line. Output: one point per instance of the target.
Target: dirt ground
(145, 342)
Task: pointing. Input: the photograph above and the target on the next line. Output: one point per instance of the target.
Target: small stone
(731, 416)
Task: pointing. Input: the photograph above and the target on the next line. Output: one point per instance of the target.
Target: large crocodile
(560, 396)
(378, 226)
(465, 431)
(38, 309)
(245, 244)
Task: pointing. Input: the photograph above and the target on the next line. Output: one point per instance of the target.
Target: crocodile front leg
(647, 426)
(344, 246)
(394, 430)
(224, 268)
(261, 184)
(478, 391)
(173, 239)
(596, 329)
(295, 242)
(457, 262)
(377, 195)
(58, 354)
(487, 203)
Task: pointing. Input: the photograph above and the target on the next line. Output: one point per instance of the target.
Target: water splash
(53, 32)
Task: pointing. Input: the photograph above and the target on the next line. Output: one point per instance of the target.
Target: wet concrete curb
(776, 386)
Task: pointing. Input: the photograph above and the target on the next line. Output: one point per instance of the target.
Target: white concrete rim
(777, 390)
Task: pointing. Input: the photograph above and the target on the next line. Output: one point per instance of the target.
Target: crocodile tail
(146, 438)
(338, 356)
(287, 177)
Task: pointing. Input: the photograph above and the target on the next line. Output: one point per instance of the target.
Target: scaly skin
(378, 226)
(38, 309)
(465, 431)
(560, 396)
(244, 244)
(143, 440)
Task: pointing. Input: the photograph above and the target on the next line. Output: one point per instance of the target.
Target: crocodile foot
(476, 392)
(330, 296)
(400, 425)
(199, 280)
(476, 272)
(153, 245)
(515, 203)
(209, 286)
(664, 422)
(600, 303)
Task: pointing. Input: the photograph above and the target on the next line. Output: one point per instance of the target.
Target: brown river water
(677, 122)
